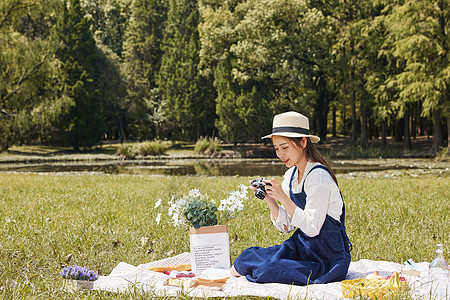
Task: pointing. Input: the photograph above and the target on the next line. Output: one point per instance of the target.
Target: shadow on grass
(46, 151)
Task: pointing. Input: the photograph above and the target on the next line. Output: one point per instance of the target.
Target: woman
(319, 250)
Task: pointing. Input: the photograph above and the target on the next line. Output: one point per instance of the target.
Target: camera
(260, 187)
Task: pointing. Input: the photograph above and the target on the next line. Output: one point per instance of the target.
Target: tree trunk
(406, 130)
(353, 137)
(321, 110)
(399, 130)
(448, 135)
(414, 118)
(363, 142)
(383, 135)
(372, 129)
(313, 123)
(437, 131)
(121, 129)
(344, 119)
(333, 130)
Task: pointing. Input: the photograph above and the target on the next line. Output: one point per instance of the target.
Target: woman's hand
(274, 189)
(270, 201)
(253, 188)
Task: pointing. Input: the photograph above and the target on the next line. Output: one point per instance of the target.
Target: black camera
(260, 187)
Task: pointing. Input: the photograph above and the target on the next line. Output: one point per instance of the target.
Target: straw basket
(371, 288)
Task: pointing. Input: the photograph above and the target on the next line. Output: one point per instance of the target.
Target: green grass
(48, 221)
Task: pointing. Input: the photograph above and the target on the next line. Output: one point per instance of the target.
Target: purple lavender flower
(78, 273)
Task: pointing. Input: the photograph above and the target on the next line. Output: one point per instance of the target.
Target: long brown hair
(313, 154)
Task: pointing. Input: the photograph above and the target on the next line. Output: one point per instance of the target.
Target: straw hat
(291, 124)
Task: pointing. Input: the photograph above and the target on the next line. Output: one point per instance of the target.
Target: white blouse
(323, 197)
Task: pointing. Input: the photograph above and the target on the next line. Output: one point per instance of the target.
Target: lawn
(49, 221)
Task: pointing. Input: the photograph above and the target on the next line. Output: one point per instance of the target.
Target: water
(439, 283)
(192, 167)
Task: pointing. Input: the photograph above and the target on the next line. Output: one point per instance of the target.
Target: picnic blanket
(125, 276)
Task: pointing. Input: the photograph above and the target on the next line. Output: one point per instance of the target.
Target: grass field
(49, 221)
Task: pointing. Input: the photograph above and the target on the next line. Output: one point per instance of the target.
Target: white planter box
(79, 285)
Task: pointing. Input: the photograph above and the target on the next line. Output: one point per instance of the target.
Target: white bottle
(438, 274)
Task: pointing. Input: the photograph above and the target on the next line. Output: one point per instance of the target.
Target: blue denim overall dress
(301, 259)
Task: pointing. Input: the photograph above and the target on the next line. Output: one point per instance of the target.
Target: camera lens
(261, 194)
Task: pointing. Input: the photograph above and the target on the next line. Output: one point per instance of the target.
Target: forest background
(79, 72)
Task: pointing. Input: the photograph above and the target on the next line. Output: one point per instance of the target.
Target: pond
(218, 167)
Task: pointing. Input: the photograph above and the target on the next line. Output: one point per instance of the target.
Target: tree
(83, 125)
(109, 21)
(27, 105)
(355, 51)
(142, 62)
(280, 47)
(419, 31)
(187, 96)
(228, 124)
(382, 65)
(112, 93)
(243, 112)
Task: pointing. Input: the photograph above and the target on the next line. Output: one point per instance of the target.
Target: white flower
(195, 193)
(230, 206)
(158, 203)
(172, 208)
(235, 194)
(238, 205)
(177, 220)
(158, 218)
(243, 193)
(181, 203)
(222, 205)
(234, 203)
(243, 187)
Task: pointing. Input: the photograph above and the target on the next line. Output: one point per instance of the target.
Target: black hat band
(290, 129)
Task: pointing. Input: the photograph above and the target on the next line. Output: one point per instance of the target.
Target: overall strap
(292, 178)
(343, 209)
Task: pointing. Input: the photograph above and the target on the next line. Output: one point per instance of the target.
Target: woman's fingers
(251, 186)
(273, 188)
(271, 183)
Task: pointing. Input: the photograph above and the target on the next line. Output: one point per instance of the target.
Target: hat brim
(313, 138)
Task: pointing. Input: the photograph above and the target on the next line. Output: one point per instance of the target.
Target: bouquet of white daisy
(196, 209)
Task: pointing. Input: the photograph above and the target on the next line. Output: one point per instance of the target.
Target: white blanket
(126, 276)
